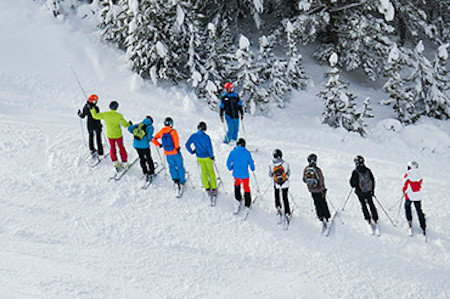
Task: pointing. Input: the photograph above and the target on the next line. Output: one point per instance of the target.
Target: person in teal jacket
(113, 121)
(239, 160)
(143, 134)
(205, 157)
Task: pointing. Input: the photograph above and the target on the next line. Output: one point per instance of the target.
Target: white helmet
(413, 164)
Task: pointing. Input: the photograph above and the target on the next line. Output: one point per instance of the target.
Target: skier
(113, 120)
(231, 105)
(239, 160)
(411, 190)
(280, 172)
(171, 145)
(205, 157)
(93, 125)
(142, 133)
(315, 181)
(364, 183)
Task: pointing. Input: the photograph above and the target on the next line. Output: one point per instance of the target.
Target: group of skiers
(239, 161)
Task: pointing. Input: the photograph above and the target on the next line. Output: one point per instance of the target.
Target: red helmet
(93, 98)
(228, 87)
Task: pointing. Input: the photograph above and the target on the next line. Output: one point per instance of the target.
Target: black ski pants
(98, 135)
(321, 206)
(145, 159)
(287, 210)
(238, 195)
(420, 214)
(366, 200)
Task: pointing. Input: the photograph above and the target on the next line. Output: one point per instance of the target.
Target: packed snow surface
(66, 230)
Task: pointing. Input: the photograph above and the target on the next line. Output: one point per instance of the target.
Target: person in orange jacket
(171, 144)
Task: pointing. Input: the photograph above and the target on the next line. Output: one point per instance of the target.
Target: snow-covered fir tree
(421, 84)
(114, 21)
(266, 57)
(441, 77)
(339, 102)
(295, 74)
(394, 87)
(253, 95)
(278, 85)
(226, 51)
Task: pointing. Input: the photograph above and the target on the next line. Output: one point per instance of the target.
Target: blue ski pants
(176, 167)
(233, 128)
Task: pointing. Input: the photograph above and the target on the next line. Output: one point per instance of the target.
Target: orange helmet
(93, 98)
(228, 87)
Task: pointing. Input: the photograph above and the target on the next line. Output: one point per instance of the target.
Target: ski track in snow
(66, 230)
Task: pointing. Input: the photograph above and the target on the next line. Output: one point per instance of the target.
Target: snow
(393, 54)
(387, 9)
(333, 59)
(442, 51)
(244, 43)
(180, 15)
(68, 231)
(161, 49)
(134, 6)
(419, 47)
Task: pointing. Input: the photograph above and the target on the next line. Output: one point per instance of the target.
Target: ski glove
(130, 122)
(194, 151)
(79, 113)
(178, 149)
(221, 118)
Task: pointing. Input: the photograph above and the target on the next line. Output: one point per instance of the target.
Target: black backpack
(365, 181)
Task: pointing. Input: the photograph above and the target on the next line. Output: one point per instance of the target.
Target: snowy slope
(68, 231)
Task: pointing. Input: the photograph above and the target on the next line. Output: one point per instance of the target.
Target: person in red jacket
(412, 191)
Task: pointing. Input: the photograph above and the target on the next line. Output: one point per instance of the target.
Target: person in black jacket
(231, 106)
(364, 183)
(94, 126)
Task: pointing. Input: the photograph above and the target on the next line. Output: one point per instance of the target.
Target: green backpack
(140, 131)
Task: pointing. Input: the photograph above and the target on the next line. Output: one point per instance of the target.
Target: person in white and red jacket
(412, 191)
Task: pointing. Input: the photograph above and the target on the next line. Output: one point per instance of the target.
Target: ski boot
(117, 166)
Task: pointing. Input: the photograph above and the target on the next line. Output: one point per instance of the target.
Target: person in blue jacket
(239, 160)
(231, 106)
(142, 133)
(205, 157)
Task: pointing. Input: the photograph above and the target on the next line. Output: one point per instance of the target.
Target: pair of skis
(180, 188)
(122, 171)
(239, 209)
(150, 180)
(96, 159)
(212, 198)
(286, 222)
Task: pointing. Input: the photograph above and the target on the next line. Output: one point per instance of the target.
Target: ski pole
(218, 176)
(164, 163)
(76, 78)
(390, 219)
(395, 204)
(84, 94)
(337, 214)
(243, 129)
(257, 187)
(348, 197)
(400, 207)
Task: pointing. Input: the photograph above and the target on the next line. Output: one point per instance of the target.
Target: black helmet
(113, 105)
(312, 158)
(150, 118)
(359, 160)
(241, 142)
(201, 126)
(277, 154)
(168, 122)
(413, 164)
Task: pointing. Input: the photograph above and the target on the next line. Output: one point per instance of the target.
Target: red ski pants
(123, 152)
(245, 182)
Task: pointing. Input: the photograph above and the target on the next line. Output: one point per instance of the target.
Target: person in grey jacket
(313, 177)
(280, 172)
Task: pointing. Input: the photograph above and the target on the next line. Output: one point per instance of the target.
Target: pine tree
(253, 95)
(403, 101)
(440, 75)
(226, 51)
(295, 74)
(278, 85)
(114, 21)
(339, 102)
(427, 97)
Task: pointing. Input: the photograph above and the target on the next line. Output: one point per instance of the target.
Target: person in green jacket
(113, 120)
